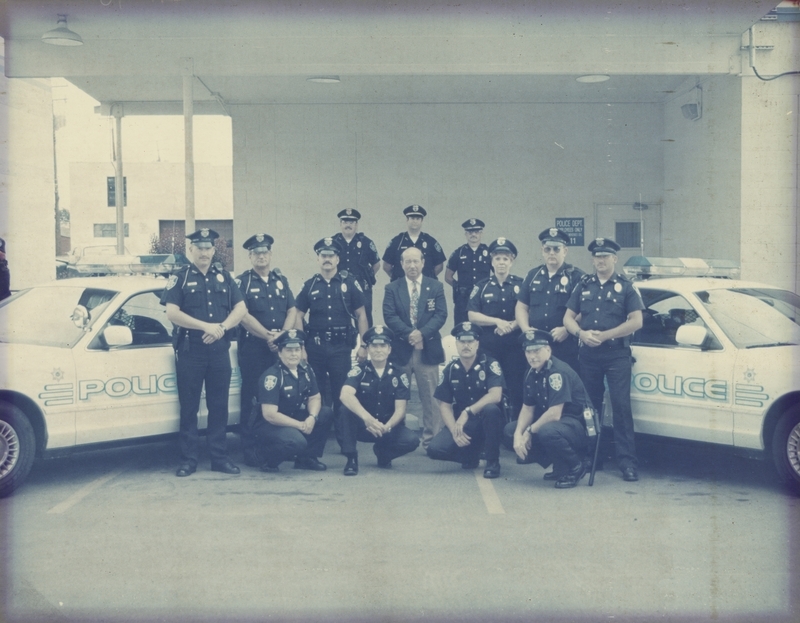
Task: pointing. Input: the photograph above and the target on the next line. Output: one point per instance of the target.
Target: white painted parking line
(488, 494)
(82, 493)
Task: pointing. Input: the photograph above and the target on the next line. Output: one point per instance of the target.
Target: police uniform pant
(602, 365)
(330, 361)
(276, 444)
(396, 443)
(196, 364)
(367, 302)
(509, 354)
(460, 302)
(567, 351)
(427, 377)
(254, 359)
(485, 430)
(562, 443)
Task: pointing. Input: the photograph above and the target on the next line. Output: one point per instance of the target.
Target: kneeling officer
(294, 422)
(374, 399)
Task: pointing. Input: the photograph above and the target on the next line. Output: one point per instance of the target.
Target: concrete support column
(188, 144)
(119, 188)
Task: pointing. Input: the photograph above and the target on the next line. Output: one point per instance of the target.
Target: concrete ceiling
(249, 52)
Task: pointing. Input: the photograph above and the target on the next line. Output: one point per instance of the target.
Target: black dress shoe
(551, 475)
(185, 469)
(310, 463)
(471, 463)
(351, 467)
(270, 469)
(572, 477)
(629, 474)
(492, 470)
(226, 467)
(385, 464)
(251, 458)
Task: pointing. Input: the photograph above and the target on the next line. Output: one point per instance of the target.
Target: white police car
(717, 360)
(86, 361)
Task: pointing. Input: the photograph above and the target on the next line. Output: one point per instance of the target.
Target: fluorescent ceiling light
(325, 79)
(592, 78)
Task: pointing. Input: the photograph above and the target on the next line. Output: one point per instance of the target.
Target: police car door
(679, 390)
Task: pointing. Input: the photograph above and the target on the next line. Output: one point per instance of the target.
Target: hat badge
(349, 211)
(378, 330)
(600, 242)
(530, 334)
(472, 221)
(554, 231)
(415, 208)
(328, 241)
(260, 238)
(501, 241)
(204, 233)
(467, 326)
(292, 333)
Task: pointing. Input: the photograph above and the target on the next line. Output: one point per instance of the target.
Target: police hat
(415, 210)
(534, 339)
(378, 335)
(603, 246)
(203, 238)
(349, 215)
(259, 242)
(292, 337)
(473, 224)
(503, 245)
(327, 244)
(466, 331)
(554, 234)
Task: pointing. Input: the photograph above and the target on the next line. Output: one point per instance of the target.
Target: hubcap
(9, 448)
(793, 449)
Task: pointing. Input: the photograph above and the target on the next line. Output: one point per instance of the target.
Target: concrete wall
(517, 167)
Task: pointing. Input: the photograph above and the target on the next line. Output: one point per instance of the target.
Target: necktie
(414, 303)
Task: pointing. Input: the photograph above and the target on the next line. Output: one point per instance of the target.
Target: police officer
(550, 428)
(543, 297)
(609, 310)
(491, 306)
(374, 399)
(335, 306)
(472, 263)
(358, 256)
(203, 303)
(432, 252)
(469, 393)
(294, 424)
(270, 310)
(5, 275)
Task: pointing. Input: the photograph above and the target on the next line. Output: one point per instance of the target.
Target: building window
(627, 234)
(111, 185)
(107, 230)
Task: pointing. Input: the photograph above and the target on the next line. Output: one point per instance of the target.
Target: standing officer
(358, 256)
(491, 306)
(294, 424)
(543, 297)
(414, 237)
(203, 303)
(609, 310)
(550, 428)
(374, 399)
(469, 394)
(335, 305)
(472, 264)
(5, 275)
(270, 310)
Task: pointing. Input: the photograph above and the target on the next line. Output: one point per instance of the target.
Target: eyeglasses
(552, 249)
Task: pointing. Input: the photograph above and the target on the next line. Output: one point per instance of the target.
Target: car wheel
(17, 448)
(786, 448)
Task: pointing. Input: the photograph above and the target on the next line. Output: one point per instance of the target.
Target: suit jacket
(431, 315)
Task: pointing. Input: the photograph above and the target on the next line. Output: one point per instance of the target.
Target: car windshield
(755, 317)
(44, 316)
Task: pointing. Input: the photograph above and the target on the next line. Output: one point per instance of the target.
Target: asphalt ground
(113, 535)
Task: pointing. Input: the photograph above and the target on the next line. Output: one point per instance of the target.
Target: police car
(716, 360)
(87, 362)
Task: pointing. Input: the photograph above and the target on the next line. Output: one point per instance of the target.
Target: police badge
(344, 287)
(260, 237)
(220, 278)
(270, 382)
(482, 375)
(204, 233)
(394, 382)
(553, 232)
(617, 287)
(555, 381)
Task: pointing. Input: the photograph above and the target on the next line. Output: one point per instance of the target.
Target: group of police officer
(532, 353)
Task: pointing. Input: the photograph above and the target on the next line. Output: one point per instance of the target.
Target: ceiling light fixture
(61, 35)
(592, 78)
(324, 79)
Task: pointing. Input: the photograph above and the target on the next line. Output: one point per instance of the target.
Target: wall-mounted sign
(574, 227)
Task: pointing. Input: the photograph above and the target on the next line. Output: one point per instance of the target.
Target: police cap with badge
(378, 335)
(554, 235)
(603, 246)
(534, 339)
(502, 245)
(327, 246)
(415, 210)
(292, 337)
(203, 238)
(473, 224)
(466, 332)
(349, 215)
(259, 243)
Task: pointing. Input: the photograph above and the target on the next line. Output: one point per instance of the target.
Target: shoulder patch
(358, 286)
(438, 246)
(404, 380)
(238, 282)
(270, 382)
(555, 381)
(441, 377)
(172, 282)
(354, 371)
(474, 291)
(495, 367)
(372, 246)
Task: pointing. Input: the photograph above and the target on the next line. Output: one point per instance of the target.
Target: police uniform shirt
(463, 387)
(471, 266)
(268, 299)
(209, 297)
(555, 384)
(357, 256)
(331, 302)
(278, 386)
(494, 299)
(546, 297)
(378, 393)
(431, 251)
(603, 307)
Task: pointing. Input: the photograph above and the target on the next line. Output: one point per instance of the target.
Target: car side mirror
(691, 335)
(118, 335)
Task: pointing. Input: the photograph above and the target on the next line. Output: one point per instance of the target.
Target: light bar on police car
(641, 267)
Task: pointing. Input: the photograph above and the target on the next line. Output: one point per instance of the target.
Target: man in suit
(414, 309)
